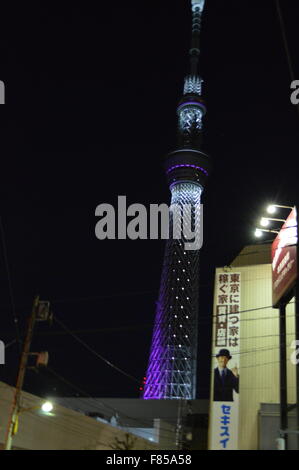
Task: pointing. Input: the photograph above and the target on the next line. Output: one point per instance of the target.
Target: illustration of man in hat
(225, 380)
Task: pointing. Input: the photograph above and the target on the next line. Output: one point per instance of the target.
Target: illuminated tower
(172, 364)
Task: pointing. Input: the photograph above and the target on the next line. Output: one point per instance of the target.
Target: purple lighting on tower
(187, 166)
(171, 372)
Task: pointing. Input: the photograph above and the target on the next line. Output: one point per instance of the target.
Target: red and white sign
(284, 259)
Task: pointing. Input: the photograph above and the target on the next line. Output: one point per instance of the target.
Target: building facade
(63, 428)
(256, 353)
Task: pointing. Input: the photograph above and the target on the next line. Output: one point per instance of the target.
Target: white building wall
(259, 349)
(63, 429)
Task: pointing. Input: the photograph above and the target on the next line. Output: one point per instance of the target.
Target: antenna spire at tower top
(198, 4)
(191, 107)
(197, 9)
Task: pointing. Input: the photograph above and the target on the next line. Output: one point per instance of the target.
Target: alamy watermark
(178, 221)
(2, 353)
(2, 92)
(295, 355)
(295, 94)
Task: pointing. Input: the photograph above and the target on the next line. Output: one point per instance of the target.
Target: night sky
(91, 97)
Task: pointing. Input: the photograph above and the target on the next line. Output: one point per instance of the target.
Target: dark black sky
(91, 110)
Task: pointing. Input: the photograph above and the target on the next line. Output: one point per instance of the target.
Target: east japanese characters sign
(224, 413)
(284, 259)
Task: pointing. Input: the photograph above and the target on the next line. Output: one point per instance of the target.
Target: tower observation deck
(171, 372)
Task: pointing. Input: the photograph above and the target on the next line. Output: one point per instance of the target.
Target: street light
(264, 222)
(271, 209)
(47, 407)
(259, 231)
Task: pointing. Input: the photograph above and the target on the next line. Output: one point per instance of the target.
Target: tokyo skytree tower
(171, 371)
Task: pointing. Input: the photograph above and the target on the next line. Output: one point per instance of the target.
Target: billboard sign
(284, 259)
(224, 403)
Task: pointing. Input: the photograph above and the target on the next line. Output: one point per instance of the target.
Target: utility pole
(40, 312)
(296, 292)
(296, 296)
(281, 298)
(180, 424)
(283, 371)
(284, 407)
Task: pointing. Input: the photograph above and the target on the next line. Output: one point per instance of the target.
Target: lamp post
(40, 312)
(271, 209)
(266, 220)
(46, 407)
(259, 231)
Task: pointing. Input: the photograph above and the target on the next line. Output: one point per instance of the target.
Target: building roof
(252, 255)
(133, 411)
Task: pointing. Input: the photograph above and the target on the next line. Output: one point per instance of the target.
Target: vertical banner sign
(224, 412)
(284, 259)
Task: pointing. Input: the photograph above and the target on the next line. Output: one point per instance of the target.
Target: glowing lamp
(271, 209)
(264, 222)
(47, 407)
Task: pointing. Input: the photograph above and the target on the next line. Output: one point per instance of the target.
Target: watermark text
(2, 92)
(179, 222)
(2, 353)
(295, 355)
(295, 94)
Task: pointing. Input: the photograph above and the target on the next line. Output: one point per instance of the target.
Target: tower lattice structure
(171, 371)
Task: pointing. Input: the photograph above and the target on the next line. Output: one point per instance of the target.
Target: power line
(255, 350)
(201, 320)
(248, 351)
(98, 330)
(285, 43)
(138, 421)
(92, 351)
(210, 317)
(10, 344)
(138, 293)
(236, 353)
(144, 326)
(104, 297)
(68, 426)
(97, 402)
